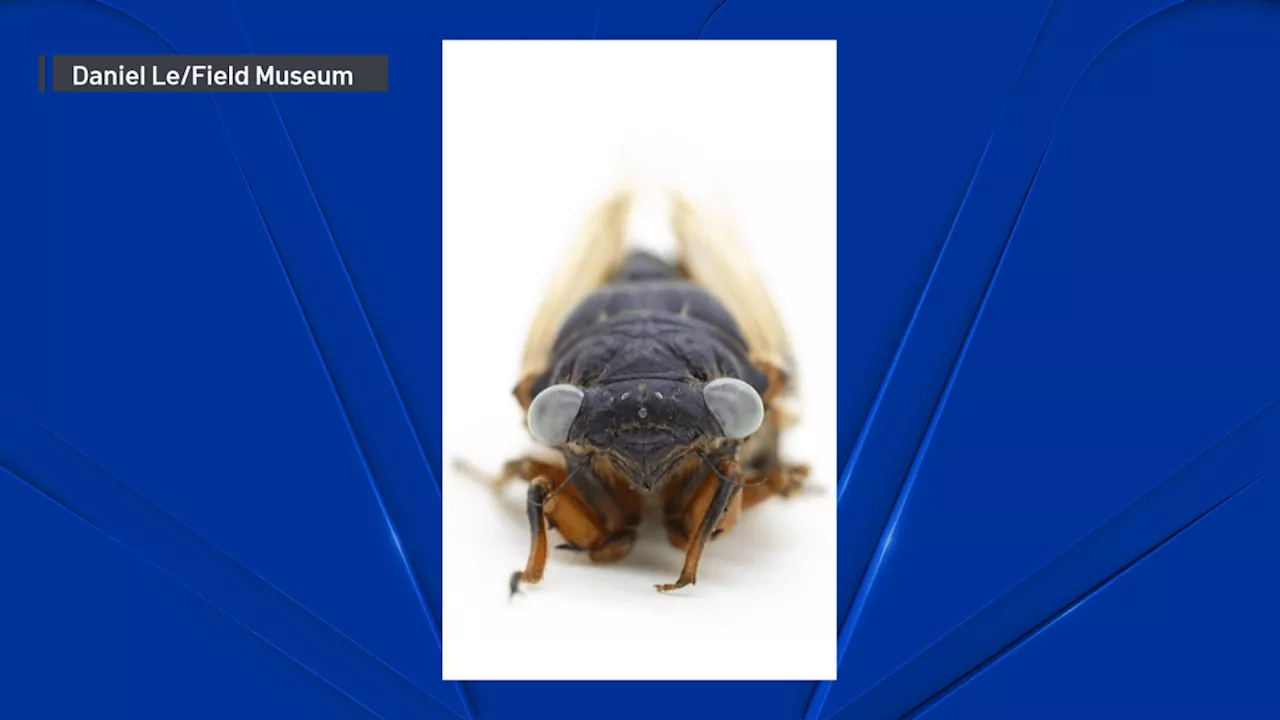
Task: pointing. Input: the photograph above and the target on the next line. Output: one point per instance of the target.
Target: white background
(534, 134)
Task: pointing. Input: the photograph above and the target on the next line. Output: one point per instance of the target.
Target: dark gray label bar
(219, 73)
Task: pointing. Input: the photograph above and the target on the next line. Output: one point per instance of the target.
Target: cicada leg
(527, 468)
(537, 562)
(765, 473)
(686, 506)
(711, 509)
(605, 529)
(783, 482)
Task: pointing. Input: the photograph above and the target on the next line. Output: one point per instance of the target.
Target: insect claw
(675, 586)
(515, 583)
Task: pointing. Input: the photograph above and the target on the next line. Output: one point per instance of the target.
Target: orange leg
(527, 468)
(711, 509)
(552, 502)
(684, 519)
(537, 561)
(783, 483)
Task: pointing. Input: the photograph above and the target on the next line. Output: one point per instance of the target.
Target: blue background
(1059, 365)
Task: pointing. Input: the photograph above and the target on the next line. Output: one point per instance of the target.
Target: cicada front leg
(603, 528)
(700, 512)
(537, 562)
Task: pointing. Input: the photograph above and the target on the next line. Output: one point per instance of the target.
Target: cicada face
(643, 430)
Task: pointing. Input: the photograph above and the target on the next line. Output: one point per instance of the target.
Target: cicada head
(645, 429)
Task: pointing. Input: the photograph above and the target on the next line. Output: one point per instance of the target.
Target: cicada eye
(552, 412)
(736, 405)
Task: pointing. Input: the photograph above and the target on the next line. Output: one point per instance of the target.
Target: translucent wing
(712, 256)
(595, 254)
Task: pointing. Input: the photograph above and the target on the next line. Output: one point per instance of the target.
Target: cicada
(660, 384)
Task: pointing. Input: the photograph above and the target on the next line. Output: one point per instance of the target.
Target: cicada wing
(712, 255)
(593, 257)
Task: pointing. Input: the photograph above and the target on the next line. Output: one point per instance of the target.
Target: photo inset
(639, 360)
